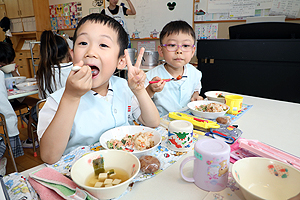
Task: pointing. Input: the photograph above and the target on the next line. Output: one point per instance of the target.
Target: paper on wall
(242, 8)
(289, 8)
(26, 44)
(209, 31)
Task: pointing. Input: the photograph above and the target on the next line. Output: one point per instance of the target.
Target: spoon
(170, 79)
(77, 68)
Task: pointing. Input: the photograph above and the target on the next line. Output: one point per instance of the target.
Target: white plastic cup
(211, 164)
(10, 82)
(180, 135)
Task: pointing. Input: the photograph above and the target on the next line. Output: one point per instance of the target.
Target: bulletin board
(219, 15)
(152, 15)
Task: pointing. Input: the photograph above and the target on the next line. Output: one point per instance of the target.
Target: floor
(27, 160)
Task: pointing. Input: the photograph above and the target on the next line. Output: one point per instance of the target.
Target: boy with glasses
(177, 47)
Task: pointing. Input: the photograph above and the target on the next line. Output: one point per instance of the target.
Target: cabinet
(38, 10)
(19, 8)
(2, 14)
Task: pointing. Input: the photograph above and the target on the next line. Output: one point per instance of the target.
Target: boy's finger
(139, 59)
(127, 58)
(77, 66)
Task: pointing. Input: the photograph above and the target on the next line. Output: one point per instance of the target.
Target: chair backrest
(39, 106)
(3, 123)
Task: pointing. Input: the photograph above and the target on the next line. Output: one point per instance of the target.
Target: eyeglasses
(174, 47)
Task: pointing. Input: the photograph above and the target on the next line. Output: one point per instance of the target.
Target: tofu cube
(108, 185)
(108, 181)
(116, 181)
(98, 184)
(102, 176)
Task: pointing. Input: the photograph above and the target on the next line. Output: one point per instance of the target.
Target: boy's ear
(122, 62)
(72, 53)
(159, 49)
(194, 49)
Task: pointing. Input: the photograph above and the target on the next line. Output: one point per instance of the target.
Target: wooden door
(26, 8)
(2, 14)
(12, 8)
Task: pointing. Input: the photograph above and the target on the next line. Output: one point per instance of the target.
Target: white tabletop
(269, 121)
(20, 93)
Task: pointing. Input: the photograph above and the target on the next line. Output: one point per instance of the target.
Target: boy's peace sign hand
(136, 76)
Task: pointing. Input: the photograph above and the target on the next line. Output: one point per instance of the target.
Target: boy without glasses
(177, 47)
(93, 100)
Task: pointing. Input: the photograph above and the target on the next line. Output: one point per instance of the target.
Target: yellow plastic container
(235, 103)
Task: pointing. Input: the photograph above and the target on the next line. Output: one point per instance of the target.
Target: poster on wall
(65, 16)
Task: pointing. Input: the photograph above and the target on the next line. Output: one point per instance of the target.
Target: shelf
(24, 33)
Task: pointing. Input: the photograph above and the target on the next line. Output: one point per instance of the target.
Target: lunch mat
(162, 153)
(15, 181)
(186, 110)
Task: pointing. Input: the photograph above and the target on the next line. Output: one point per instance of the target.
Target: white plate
(31, 79)
(209, 115)
(20, 79)
(213, 96)
(28, 86)
(120, 132)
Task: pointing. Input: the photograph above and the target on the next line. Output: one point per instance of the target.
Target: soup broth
(119, 174)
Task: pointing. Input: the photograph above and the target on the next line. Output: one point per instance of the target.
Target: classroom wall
(86, 4)
(223, 26)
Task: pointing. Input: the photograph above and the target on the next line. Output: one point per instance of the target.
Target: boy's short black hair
(110, 22)
(176, 27)
(7, 53)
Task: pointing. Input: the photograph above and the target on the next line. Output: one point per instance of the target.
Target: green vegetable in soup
(112, 171)
(98, 165)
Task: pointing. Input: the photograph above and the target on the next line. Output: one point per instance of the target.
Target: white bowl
(28, 86)
(213, 96)
(8, 68)
(120, 132)
(20, 79)
(264, 178)
(209, 115)
(83, 168)
(31, 80)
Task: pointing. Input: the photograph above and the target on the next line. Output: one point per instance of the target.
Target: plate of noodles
(208, 109)
(139, 140)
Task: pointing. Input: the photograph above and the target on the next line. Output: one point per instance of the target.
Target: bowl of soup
(120, 168)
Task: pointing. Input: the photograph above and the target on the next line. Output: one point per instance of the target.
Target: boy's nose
(178, 52)
(90, 54)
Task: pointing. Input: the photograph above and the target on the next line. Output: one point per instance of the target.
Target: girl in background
(53, 70)
(55, 63)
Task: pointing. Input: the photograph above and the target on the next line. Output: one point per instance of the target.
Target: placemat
(186, 110)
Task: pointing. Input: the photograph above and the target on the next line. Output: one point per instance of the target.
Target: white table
(20, 93)
(269, 121)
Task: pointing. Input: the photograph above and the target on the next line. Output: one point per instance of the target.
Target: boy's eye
(103, 45)
(172, 45)
(186, 45)
(82, 43)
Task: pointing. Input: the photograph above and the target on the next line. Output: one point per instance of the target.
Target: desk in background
(20, 93)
